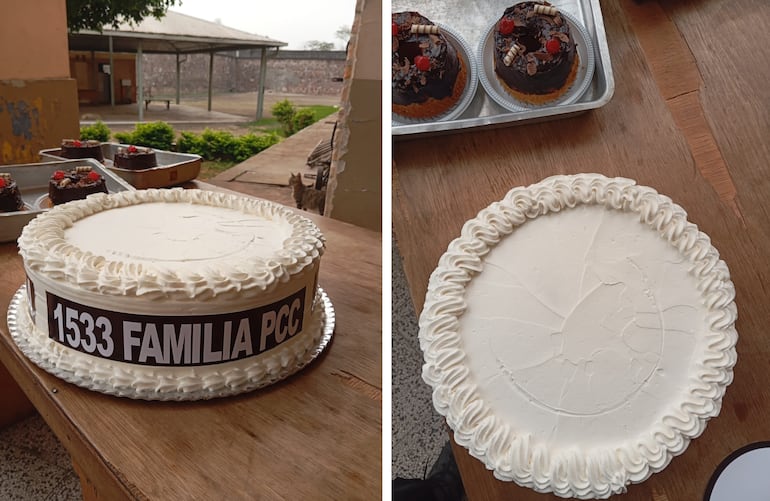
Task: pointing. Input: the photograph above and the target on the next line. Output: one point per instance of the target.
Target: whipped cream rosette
(578, 334)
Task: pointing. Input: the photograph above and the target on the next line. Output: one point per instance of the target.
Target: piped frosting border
(511, 456)
(45, 251)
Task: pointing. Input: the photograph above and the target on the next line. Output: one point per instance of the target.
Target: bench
(151, 99)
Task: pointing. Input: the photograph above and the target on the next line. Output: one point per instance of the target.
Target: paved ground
(228, 111)
(265, 175)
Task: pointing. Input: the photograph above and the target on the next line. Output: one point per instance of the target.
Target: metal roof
(173, 33)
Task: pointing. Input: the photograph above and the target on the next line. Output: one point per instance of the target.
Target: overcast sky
(292, 21)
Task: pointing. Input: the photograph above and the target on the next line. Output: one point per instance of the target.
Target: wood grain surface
(690, 117)
(316, 435)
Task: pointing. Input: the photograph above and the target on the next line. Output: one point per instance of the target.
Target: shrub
(284, 111)
(97, 131)
(218, 144)
(302, 119)
(222, 145)
(249, 145)
(158, 135)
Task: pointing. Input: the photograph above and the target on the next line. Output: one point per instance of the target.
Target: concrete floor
(418, 431)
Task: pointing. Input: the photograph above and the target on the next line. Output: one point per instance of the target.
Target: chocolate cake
(76, 184)
(428, 77)
(135, 158)
(76, 149)
(10, 196)
(534, 52)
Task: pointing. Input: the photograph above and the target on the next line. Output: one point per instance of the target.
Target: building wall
(294, 72)
(38, 100)
(354, 192)
(316, 73)
(38, 108)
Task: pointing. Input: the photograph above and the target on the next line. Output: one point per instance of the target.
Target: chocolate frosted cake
(534, 52)
(428, 77)
(76, 184)
(76, 149)
(135, 158)
(10, 196)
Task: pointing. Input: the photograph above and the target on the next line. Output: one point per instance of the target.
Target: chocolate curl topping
(515, 50)
(423, 29)
(545, 9)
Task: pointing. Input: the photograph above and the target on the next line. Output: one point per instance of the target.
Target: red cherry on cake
(58, 175)
(77, 143)
(132, 149)
(2, 182)
(93, 176)
(394, 29)
(506, 26)
(553, 46)
(422, 63)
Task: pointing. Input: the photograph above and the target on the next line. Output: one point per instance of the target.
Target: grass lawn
(210, 168)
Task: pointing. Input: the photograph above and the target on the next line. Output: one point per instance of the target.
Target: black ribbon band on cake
(174, 341)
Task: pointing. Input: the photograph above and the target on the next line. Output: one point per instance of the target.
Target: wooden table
(691, 118)
(316, 435)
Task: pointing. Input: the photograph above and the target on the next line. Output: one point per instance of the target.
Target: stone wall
(294, 72)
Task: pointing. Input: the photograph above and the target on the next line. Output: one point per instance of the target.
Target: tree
(343, 33)
(317, 45)
(95, 14)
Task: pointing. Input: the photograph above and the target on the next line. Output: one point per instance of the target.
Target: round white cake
(578, 334)
(164, 294)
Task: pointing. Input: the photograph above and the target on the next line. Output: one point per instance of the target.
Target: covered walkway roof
(175, 33)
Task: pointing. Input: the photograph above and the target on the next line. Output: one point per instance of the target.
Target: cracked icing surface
(180, 233)
(578, 334)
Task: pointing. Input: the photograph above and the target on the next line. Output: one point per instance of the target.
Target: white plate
(497, 92)
(463, 51)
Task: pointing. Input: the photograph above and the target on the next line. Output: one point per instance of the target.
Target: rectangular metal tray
(173, 168)
(32, 180)
(472, 20)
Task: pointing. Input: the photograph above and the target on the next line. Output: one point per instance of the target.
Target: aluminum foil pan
(173, 168)
(472, 21)
(32, 180)
(465, 52)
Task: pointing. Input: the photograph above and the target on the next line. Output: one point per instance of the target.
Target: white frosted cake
(163, 294)
(578, 334)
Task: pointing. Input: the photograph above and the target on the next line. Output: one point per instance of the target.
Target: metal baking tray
(32, 180)
(472, 20)
(173, 168)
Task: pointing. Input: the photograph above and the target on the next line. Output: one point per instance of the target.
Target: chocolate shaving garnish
(531, 68)
(561, 36)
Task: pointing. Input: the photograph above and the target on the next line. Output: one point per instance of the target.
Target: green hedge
(222, 145)
(158, 135)
(97, 131)
(211, 144)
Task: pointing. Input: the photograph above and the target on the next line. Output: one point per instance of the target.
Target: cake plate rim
(16, 310)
